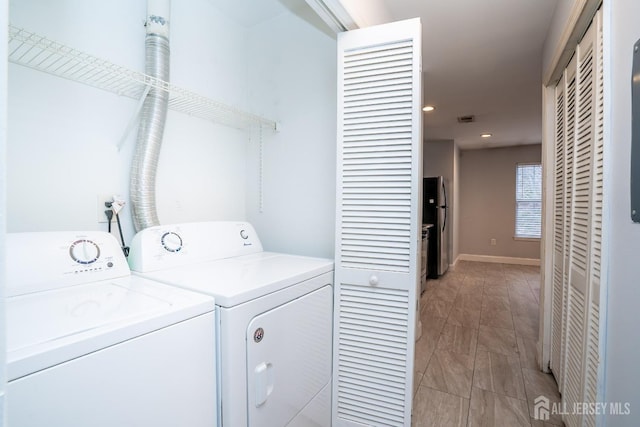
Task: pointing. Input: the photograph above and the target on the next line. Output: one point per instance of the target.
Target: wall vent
(467, 119)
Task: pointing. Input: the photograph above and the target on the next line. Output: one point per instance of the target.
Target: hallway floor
(476, 360)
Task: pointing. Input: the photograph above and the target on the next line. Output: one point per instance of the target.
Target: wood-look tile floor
(476, 360)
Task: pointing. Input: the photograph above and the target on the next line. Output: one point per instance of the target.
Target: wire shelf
(34, 51)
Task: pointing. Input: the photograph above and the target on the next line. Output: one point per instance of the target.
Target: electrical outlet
(493, 241)
(101, 199)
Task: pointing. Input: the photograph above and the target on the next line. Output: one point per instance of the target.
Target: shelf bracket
(261, 183)
(134, 120)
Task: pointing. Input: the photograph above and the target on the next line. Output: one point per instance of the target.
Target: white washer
(91, 345)
(275, 317)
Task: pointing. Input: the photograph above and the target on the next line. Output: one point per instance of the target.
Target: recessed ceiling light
(428, 108)
(486, 135)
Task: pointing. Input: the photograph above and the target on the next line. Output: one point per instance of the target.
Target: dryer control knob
(84, 251)
(373, 280)
(171, 241)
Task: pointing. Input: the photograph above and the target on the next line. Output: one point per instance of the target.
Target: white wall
(63, 135)
(455, 243)
(622, 375)
(3, 137)
(487, 201)
(292, 75)
(439, 159)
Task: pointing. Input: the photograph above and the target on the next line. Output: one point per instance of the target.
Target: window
(528, 200)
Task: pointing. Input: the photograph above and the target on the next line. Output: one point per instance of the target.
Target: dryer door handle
(264, 382)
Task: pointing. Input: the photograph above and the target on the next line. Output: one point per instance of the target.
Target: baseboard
(452, 265)
(498, 259)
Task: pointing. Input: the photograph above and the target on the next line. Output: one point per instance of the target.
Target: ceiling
(481, 58)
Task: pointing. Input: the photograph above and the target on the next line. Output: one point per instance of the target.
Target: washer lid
(236, 280)
(51, 327)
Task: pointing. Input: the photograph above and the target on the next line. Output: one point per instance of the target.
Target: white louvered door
(379, 177)
(563, 209)
(592, 354)
(570, 112)
(559, 272)
(578, 226)
(579, 258)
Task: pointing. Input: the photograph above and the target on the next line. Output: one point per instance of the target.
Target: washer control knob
(171, 241)
(373, 280)
(84, 251)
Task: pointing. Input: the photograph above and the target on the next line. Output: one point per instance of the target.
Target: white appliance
(91, 345)
(274, 318)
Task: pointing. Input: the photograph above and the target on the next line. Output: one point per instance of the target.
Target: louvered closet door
(592, 333)
(581, 224)
(578, 198)
(379, 176)
(568, 139)
(559, 276)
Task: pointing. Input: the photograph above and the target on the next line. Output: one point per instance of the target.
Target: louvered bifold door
(580, 254)
(578, 228)
(592, 329)
(379, 176)
(569, 113)
(558, 294)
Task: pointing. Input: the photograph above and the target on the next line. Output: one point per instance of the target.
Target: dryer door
(289, 358)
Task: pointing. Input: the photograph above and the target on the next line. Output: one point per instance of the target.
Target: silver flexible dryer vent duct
(152, 118)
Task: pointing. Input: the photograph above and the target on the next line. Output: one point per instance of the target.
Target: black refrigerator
(435, 211)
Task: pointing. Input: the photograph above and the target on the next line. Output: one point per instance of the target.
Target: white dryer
(91, 345)
(275, 317)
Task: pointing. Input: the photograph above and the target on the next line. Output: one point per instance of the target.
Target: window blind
(528, 200)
